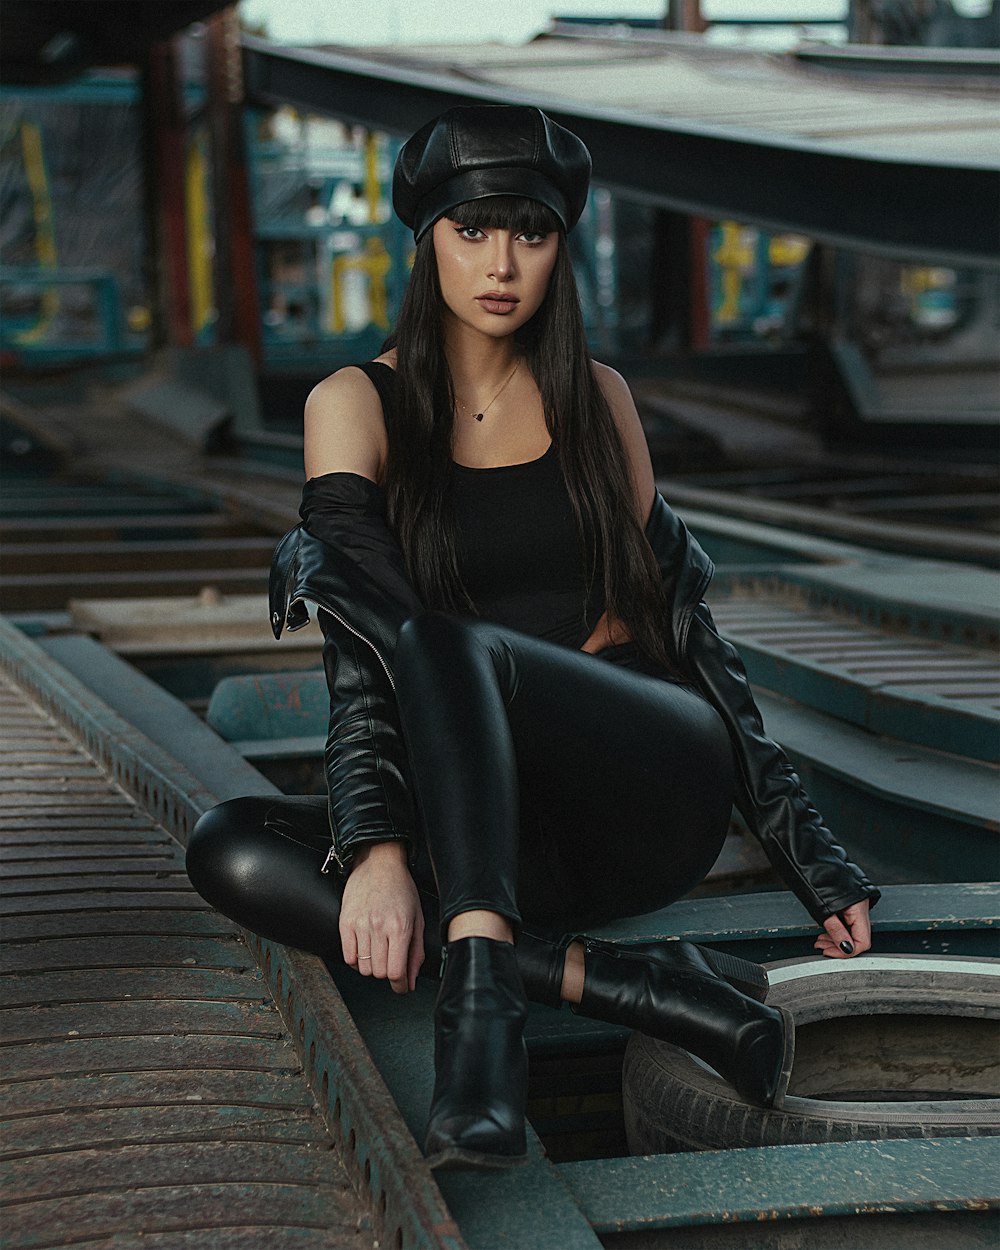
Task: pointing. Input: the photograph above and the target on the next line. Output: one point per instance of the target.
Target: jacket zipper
(333, 855)
(332, 858)
(351, 630)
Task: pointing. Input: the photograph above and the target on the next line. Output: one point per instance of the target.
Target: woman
(501, 589)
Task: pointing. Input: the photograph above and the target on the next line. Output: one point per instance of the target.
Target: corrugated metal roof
(691, 83)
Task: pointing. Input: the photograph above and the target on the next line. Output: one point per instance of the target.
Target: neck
(477, 361)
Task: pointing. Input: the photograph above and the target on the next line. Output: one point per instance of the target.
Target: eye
(532, 237)
(469, 232)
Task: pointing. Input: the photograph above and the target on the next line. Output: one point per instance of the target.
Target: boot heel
(749, 978)
(787, 1059)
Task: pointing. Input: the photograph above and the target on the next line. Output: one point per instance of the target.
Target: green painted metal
(278, 705)
(772, 1183)
(907, 812)
(919, 598)
(911, 715)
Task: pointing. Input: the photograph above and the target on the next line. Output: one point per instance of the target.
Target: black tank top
(519, 551)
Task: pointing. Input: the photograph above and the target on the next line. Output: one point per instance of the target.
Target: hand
(607, 632)
(380, 917)
(850, 929)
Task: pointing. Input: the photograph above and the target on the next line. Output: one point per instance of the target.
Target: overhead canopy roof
(902, 164)
(48, 41)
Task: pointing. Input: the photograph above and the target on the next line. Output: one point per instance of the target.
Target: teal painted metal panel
(894, 710)
(787, 1182)
(278, 705)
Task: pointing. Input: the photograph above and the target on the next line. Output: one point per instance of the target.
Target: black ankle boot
(678, 997)
(480, 1062)
(542, 961)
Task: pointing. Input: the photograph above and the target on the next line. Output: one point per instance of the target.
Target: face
(492, 280)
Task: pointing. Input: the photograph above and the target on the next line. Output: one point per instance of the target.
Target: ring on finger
(362, 958)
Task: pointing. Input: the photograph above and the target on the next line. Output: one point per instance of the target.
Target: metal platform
(149, 1085)
(364, 1054)
(152, 1092)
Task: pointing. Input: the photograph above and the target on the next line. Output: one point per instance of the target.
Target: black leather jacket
(363, 599)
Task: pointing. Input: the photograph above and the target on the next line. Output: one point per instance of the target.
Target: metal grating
(149, 1089)
(941, 670)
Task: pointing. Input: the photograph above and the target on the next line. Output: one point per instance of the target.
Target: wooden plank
(154, 881)
(46, 770)
(185, 1016)
(98, 901)
(140, 951)
(111, 922)
(116, 1126)
(60, 800)
(191, 1053)
(149, 1106)
(118, 528)
(33, 592)
(175, 1164)
(148, 555)
(83, 986)
(194, 1207)
(115, 858)
(125, 828)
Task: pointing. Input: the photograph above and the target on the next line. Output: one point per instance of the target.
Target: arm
(380, 915)
(834, 890)
(773, 802)
(344, 430)
(606, 632)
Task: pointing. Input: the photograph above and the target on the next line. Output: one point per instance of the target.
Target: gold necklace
(478, 416)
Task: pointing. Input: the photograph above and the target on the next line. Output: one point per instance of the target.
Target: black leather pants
(556, 788)
(554, 785)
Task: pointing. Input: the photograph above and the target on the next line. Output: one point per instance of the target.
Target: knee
(429, 638)
(219, 846)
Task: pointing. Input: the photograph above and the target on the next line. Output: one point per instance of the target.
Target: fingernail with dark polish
(847, 947)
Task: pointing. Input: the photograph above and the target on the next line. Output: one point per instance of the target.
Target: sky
(445, 21)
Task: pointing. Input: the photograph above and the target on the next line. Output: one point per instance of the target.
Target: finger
(349, 944)
(366, 954)
(416, 954)
(839, 934)
(396, 962)
(861, 929)
(379, 956)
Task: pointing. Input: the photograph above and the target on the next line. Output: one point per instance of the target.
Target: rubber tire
(900, 1011)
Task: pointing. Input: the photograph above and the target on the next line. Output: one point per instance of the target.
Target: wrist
(381, 853)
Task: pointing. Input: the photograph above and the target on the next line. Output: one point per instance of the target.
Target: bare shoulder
(612, 384)
(344, 427)
(616, 391)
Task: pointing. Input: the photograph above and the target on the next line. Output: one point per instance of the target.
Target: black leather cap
(469, 153)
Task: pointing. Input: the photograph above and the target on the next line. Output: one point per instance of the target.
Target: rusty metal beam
(943, 212)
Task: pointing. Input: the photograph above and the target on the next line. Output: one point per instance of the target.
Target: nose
(501, 260)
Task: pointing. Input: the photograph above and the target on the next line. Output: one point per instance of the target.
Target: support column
(166, 245)
(235, 253)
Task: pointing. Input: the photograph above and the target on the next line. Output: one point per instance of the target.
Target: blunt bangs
(505, 212)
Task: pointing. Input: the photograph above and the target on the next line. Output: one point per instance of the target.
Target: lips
(497, 302)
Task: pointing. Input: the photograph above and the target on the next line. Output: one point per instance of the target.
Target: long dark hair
(577, 415)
